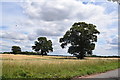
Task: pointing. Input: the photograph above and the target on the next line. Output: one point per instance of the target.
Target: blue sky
(24, 21)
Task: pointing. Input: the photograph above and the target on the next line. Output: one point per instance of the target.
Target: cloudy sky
(22, 22)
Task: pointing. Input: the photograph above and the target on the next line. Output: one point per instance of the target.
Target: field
(35, 66)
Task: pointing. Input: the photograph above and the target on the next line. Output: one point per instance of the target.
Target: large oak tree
(81, 37)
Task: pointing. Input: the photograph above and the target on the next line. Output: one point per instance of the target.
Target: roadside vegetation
(33, 66)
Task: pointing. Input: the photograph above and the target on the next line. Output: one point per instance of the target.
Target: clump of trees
(81, 37)
(16, 50)
(43, 46)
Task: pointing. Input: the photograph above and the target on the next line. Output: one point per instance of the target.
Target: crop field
(35, 66)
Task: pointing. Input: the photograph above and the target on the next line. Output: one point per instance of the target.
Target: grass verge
(55, 68)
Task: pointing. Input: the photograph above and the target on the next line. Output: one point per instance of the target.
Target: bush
(29, 53)
(7, 53)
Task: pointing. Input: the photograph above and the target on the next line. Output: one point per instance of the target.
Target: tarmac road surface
(109, 75)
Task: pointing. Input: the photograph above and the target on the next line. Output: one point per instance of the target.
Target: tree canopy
(43, 46)
(118, 1)
(16, 49)
(81, 37)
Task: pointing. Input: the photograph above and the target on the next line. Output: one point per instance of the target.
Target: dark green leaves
(16, 49)
(81, 36)
(43, 46)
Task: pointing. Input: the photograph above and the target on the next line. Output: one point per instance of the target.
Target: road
(109, 75)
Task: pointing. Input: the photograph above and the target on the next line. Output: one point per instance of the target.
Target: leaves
(16, 49)
(43, 46)
(81, 36)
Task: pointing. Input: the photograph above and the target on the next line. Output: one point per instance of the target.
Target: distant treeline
(104, 56)
(35, 53)
(26, 53)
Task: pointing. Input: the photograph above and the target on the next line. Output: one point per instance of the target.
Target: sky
(23, 21)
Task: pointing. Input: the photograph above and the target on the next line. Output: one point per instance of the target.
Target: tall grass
(55, 68)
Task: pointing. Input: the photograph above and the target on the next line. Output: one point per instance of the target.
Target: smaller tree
(16, 49)
(43, 46)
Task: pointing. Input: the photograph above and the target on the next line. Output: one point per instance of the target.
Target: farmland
(36, 66)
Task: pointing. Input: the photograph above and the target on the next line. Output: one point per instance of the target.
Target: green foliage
(26, 53)
(7, 53)
(16, 50)
(43, 46)
(55, 68)
(29, 53)
(82, 37)
(23, 74)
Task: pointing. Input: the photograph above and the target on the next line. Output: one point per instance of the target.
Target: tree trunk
(80, 56)
(45, 53)
(42, 52)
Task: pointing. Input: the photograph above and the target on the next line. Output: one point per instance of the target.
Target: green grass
(56, 68)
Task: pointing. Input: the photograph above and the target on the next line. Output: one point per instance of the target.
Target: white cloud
(14, 35)
(53, 18)
(43, 15)
(113, 42)
(61, 10)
